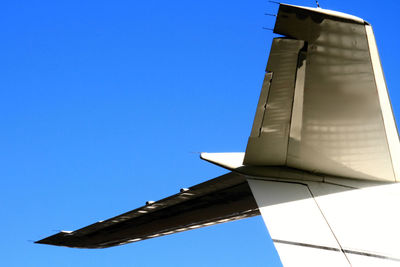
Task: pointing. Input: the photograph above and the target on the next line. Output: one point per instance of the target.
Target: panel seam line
(337, 240)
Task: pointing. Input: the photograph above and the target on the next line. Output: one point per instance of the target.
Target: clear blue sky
(103, 103)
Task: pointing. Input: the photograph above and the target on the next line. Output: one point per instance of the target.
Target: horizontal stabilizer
(230, 161)
(219, 200)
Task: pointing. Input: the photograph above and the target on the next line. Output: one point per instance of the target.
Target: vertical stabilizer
(324, 107)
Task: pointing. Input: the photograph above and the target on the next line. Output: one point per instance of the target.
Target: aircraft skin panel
(311, 222)
(262, 102)
(270, 145)
(365, 261)
(325, 13)
(300, 233)
(387, 112)
(335, 117)
(342, 128)
(364, 220)
(230, 161)
(219, 200)
(296, 256)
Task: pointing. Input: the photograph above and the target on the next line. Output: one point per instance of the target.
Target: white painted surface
(291, 215)
(313, 222)
(229, 161)
(387, 113)
(365, 220)
(363, 261)
(309, 257)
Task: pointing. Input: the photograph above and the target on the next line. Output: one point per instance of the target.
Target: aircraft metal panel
(219, 200)
(296, 225)
(270, 147)
(262, 102)
(342, 129)
(364, 260)
(365, 221)
(387, 112)
(298, 255)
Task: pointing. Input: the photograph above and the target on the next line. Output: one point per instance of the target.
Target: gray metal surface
(336, 122)
(274, 130)
(223, 199)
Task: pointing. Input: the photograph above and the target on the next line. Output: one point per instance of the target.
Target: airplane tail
(324, 105)
(322, 159)
(324, 109)
(321, 164)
